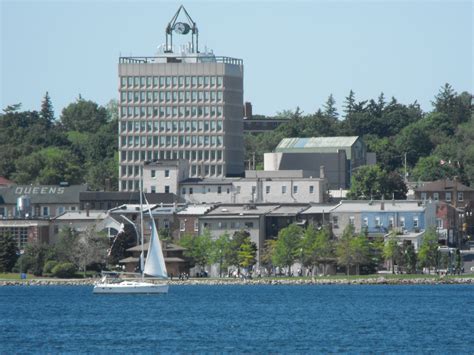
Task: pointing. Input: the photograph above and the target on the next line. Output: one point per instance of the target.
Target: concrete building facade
(187, 106)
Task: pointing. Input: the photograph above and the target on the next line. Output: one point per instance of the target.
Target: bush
(26, 263)
(49, 266)
(64, 270)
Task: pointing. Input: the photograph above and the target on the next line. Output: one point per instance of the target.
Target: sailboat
(154, 267)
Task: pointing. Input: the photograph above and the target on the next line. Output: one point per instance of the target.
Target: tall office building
(181, 104)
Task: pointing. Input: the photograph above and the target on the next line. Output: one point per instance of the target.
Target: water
(281, 319)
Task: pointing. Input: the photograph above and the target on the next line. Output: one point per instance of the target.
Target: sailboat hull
(130, 287)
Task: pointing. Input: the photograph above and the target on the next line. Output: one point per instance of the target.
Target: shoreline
(263, 281)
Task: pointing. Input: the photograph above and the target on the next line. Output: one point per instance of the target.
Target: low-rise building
(188, 219)
(39, 201)
(452, 192)
(26, 231)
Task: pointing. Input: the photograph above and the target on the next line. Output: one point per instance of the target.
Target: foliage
(89, 247)
(343, 248)
(317, 248)
(49, 266)
(221, 249)
(371, 182)
(391, 249)
(433, 168)
(247, 253)
(410, 258)
(64, 270)
(198, 248)
(428, 251)
(37, 254)
(8, 252)
(287, 246)
(360, 251)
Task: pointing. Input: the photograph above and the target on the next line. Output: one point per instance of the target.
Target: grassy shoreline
(376, 279)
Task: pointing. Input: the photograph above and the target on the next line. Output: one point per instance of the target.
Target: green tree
(89, 247)
(83, 116)
(247, 253)
(433, 168)
(391, 249)
(266, 254)
(360, 250)
(47, 111)
(330, 109)
(410, 258)
(198, 248)
(48, 166)
(8, 252)
(372, 182)
(39, 253)
(428, 251)
(287, 246)
(415, 142)
(221, 251)
(344, 248)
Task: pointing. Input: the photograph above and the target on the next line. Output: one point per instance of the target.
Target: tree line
(437, 144)
(79, 146)
(315, 250)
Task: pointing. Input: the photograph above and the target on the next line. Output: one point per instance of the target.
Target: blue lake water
(277, 319)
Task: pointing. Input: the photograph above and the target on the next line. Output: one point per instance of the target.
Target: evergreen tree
(8, 252)
(349, 105)
(47, 112)
(330, 108)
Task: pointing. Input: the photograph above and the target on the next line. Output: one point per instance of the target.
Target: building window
(351, 220)
(183, 191)
(267, 189)
(365, 222)
(448, 196)
(254, 189)
(166, 223)
(283, 189)
(423, 195)
(153, 173)
(182, 225)
(311, 189)
(153, 189)
(219, 189)
(460, 196)
(45, 211)
(415, 222)
(167, 173)
(439, 223)
(402, 222)
(196, 225)
(377, 222)
(248, 224)
(190, 190)
(167, 189)
(390, 222)
(335, 222)
(436, 196)
(295, 189)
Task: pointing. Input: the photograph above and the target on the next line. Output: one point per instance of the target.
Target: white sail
(155, 262)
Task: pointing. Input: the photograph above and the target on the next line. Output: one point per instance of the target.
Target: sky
(295, 53)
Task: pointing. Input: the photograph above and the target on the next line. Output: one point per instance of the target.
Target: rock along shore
(259, 281)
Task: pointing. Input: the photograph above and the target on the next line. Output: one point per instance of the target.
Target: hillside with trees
(80, 145)
(438, 144)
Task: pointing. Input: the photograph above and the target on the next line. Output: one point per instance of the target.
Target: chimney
(88, 206)
(322, 172)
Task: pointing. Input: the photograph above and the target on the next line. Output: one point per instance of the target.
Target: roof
(316, 144)
(376, 206)
(195, 210)
(443, 185)
(5, 181)
(206, 181)
(42, 194)
(288, 210)
(127, 197)
(81, 215)
(253, 210)
(318, 209)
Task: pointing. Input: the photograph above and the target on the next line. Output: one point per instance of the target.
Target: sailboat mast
(142, 255)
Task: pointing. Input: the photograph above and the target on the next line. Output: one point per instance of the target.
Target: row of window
(204, 190)
(208, 170)
(171, 141)
(170, 96)
(231, 225)
(19, 233)
(447, 195)
(182, 225)
(138, 156)
(171, 126)
(378, 223)
(171, 111)
(170, 81)
(295, 189)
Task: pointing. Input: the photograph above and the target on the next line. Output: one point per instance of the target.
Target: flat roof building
(181, 104)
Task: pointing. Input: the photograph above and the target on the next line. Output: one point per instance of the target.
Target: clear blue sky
(295, 52)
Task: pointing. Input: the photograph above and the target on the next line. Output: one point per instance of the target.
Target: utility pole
(405, 168)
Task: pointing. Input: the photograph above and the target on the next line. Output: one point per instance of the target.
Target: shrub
(64, 270)
(49, 266)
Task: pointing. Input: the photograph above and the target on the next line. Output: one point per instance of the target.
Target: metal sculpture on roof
(182, 28)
